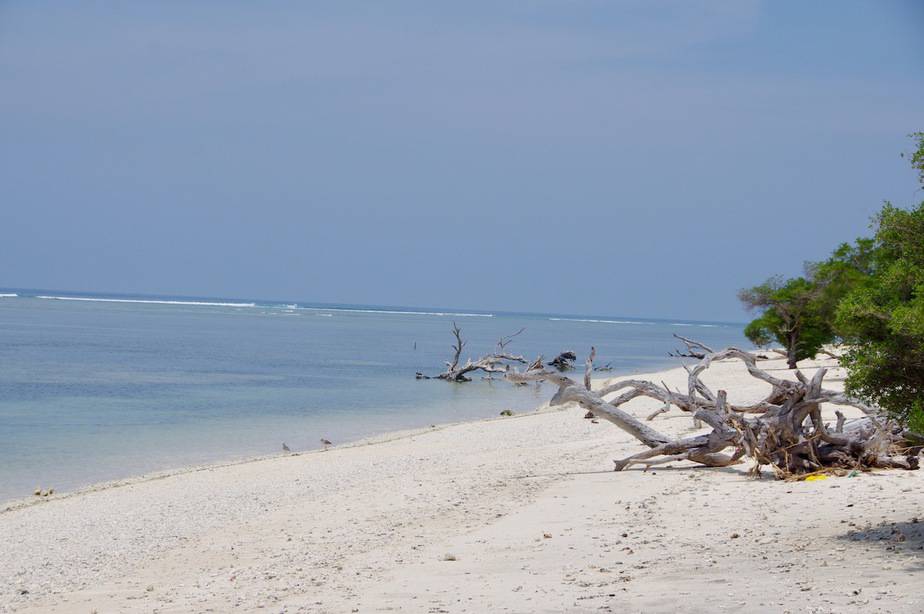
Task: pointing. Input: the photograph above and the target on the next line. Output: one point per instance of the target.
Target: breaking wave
(145, 301)
(403, 313)
(600, 321)
(690, 324)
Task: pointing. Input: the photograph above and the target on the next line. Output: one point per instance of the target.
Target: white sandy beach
(520, 514)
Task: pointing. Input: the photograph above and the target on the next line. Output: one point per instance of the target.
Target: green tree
(917, 157)
(792, 312)
(847, 268)
(882, 318)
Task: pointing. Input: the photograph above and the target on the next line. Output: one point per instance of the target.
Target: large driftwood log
(784, 430)
(497, 362)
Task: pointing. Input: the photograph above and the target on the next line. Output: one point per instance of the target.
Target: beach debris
(784, 430)
(498, 362)
(507, 412)
(449, 557)
(38, 492)
(547, 535)
(589, 415)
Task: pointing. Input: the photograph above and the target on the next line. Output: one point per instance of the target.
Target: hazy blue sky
(620, 158)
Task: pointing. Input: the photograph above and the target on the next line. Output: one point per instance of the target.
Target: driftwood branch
(504, 341)
(497, 362)
(784, 430)
(695, 349)
(589, 367)
(821, 352)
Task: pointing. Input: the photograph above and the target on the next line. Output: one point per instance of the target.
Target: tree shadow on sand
(904, 539)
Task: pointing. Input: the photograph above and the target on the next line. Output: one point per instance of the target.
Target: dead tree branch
(498, 362)
(695, 349)
(504, 341)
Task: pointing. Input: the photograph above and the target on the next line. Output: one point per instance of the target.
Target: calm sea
(96, 387)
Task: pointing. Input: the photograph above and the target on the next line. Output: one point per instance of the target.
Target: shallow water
(107, 388)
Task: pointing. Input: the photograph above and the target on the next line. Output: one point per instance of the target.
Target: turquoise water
(108, 387)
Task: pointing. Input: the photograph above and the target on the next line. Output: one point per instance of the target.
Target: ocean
(101, 387)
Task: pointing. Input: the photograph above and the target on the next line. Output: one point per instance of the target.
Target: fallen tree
(497, 362)
(784, 431)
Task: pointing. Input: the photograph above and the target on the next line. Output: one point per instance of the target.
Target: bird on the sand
(325, 443)
(285, 448)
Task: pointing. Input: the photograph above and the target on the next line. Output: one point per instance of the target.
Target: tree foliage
(882, 318)
(869, 295)
(792, 313)
(845, 270)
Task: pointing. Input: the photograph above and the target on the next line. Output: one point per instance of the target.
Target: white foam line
(403, 313)
(691, 324)
(8, 295)
(598, 321)
(144, 301)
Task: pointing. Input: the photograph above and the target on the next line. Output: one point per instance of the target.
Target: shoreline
(517, 514)
(19, 503)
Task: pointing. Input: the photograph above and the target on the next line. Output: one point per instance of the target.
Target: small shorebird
(285, 448)
(325, 443)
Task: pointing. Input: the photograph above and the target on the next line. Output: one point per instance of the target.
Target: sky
(629, 158)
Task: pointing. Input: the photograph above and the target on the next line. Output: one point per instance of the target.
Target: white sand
(368, 528)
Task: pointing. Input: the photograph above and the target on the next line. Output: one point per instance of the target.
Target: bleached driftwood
(491, 363)
(822, 352)
(695, 349)
(784, 430)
